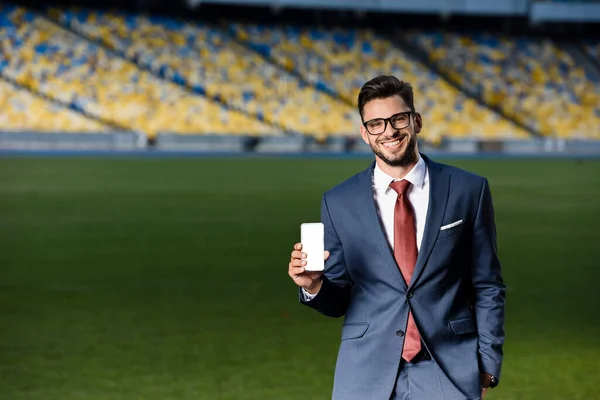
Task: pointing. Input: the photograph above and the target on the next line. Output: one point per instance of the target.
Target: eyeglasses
(378, 125)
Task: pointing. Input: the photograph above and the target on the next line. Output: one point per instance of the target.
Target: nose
(390, 130)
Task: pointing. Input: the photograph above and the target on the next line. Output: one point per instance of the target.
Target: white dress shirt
(385, 202)
(418, 195)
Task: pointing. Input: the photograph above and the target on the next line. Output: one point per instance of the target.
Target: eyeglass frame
(386, 120)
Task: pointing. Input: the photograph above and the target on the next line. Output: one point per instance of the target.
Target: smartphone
(312, 237)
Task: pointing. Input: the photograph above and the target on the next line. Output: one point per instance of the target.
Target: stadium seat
(592, 47)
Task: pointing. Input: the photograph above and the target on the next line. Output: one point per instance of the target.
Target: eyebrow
(399, 112)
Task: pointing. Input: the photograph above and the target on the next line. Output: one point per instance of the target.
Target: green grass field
(167, 279)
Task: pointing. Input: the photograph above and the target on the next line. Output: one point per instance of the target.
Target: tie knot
(400, 187)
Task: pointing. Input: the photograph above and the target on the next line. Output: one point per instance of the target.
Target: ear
(418, 123)
(364, 134)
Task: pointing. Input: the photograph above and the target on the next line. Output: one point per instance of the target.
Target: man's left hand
(485, 380)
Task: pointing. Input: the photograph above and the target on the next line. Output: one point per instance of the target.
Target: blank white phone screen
(313, 244)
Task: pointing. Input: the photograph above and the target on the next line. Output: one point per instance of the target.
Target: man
(412, 264)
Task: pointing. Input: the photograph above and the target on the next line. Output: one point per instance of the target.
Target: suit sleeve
(332, 299)
(489, 288)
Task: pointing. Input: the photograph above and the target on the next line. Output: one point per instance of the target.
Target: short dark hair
(384, 86)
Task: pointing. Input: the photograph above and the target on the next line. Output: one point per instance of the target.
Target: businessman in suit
(412, 265)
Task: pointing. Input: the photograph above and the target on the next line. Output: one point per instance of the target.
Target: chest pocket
(452, 229)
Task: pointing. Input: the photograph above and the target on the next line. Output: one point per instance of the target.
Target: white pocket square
(452, 225)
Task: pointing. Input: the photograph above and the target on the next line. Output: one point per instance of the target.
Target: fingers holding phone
(309, 280)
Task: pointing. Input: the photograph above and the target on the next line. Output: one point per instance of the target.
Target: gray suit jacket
(456, 293)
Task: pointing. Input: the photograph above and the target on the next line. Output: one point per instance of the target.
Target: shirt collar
(415, 176)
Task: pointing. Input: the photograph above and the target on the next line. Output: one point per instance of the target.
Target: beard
(402, 159)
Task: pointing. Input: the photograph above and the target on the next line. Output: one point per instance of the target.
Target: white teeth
(392, 144)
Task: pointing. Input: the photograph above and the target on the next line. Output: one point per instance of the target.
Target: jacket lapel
(367, 211)
(439, 185)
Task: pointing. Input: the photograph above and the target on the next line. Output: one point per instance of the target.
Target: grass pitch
(165, 279)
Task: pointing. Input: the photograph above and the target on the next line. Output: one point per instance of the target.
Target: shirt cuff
(307, 296)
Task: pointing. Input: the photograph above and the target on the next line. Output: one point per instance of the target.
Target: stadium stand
(48, 59)
(209, 60)
(21, 110)
(152, 74)
(531, 80)
(341, 60)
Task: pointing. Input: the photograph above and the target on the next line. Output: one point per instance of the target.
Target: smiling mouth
(394, 144)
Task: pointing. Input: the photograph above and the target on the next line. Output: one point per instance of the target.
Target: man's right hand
(309, 280)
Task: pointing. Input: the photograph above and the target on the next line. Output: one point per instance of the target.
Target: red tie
(405, 253)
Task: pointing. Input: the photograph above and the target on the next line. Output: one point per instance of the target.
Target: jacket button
(399, 333)
(410, 294)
